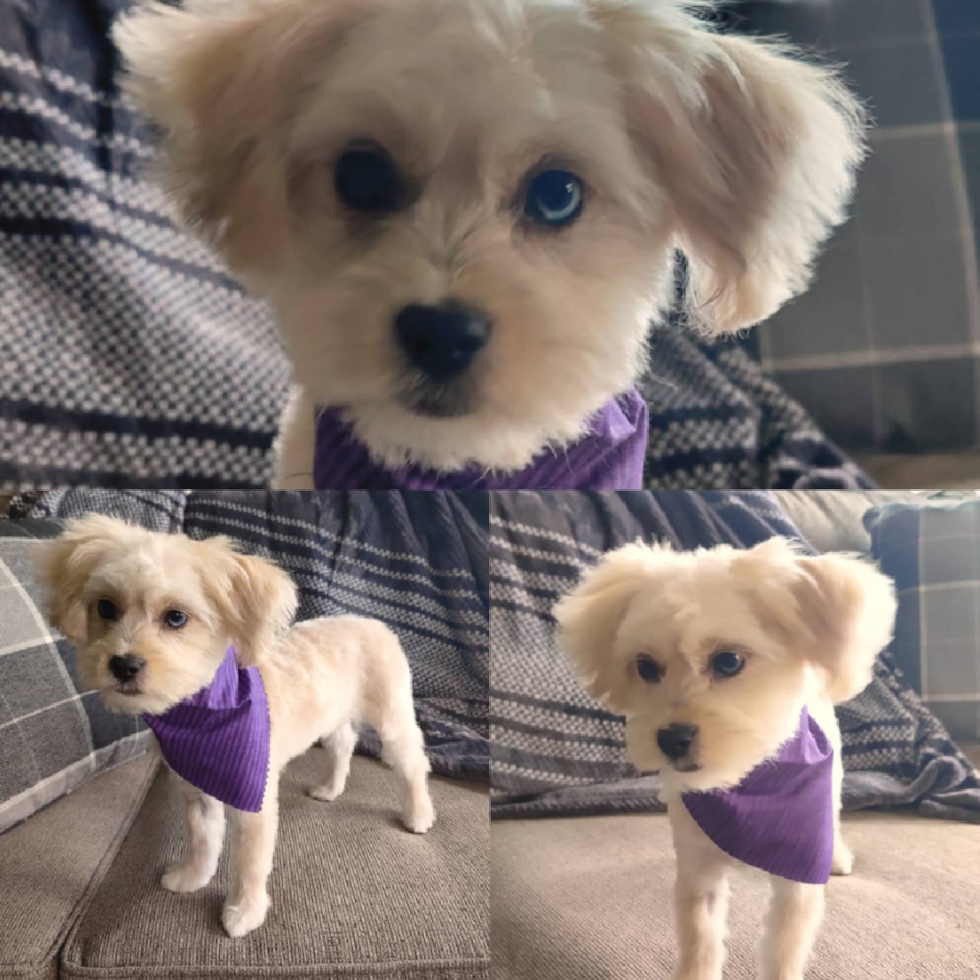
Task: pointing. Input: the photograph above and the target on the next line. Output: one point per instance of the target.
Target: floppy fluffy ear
(63, 566)
(255, 598)
(838, 608)
(589, 618)
(220, 80)
(755, 147)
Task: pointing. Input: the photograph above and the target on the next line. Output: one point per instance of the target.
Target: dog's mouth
(685, 765)
(128, 689)
(438, 400)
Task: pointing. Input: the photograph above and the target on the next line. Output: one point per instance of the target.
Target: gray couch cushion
(354, 895)
(834, 521)
(53, 736)
(51, 864)
(591, 898)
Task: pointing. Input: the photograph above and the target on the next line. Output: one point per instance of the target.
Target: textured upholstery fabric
(591, 898)
(53, 736)
(354, 894)
(51, 864)
(833, 521)
(932, 551)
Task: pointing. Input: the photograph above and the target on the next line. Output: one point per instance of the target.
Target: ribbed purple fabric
(610, 457)
(218, 740)
(780, 818)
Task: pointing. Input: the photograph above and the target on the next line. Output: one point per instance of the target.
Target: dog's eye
(107, 609)
(367, 180)
(174, 618)
(727, 663)
(649, 669)
(555, 198)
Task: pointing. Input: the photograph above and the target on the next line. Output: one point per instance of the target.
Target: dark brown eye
(107, 609)
(727, 663)
(649, 669)
(174, 618)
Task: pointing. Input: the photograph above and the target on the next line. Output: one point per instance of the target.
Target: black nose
(676, 740)
(126, 668)
(441, 341)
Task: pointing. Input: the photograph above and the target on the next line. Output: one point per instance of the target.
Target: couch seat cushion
(52, 863)
(354, 895)
(591, 898)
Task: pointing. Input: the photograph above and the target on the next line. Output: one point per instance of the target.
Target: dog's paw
(419, 817)
(843, 860)
(327, 792)
(242, 917)
(185, 878)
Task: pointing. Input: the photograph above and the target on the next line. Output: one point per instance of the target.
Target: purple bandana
(218, 740)
(610, 457)
(780, 818)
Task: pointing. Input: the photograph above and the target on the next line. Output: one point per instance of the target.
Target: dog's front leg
(701, 903)
(792, 922)
(205, 818)
(295, 444)
(253, 844)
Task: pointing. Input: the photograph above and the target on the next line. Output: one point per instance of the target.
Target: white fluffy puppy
(465, 212)
(712, 655)
(152, 616)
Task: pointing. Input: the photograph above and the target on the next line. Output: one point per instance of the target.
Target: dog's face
(465, 211)
(151, 615)
(712, 654)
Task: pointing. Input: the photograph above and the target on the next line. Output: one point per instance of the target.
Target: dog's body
(712, 655)
(465, 212)
(322, 678)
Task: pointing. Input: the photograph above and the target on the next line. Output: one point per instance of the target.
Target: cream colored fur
(738, 151)
(322, 677)
(809, 630)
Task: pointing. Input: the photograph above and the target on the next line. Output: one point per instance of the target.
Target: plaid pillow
(53, 735)
(932, 551)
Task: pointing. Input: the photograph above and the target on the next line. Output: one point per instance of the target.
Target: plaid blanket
(555, 750)
(417, 562)
(129, 357)
(883, 350)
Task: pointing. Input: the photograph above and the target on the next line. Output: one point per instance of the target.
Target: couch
(354, 895)
(590, 897)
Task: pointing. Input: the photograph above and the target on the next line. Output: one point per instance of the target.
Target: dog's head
(711, 654)
(465, 211)
(151, 614)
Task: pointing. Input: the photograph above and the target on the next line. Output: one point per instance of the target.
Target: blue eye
(555, 198)
(649, 669)
(727, 663)
(174, 618)
(367, 180)
(107, 609)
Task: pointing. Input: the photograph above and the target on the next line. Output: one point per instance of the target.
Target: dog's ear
(755, 148)
(255, 598)
(220, 82)
(837, 608)
(63, 566)
(590, 616)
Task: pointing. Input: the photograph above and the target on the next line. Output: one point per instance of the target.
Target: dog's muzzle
(675, 742)
(440, 343)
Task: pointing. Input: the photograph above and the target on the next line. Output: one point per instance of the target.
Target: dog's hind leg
(792, 922)
(403, 749)
(340, 747)
(205, 821)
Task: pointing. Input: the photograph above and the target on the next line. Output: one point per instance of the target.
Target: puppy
(197, 639)
(465, 212)
(727, 665)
